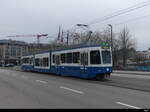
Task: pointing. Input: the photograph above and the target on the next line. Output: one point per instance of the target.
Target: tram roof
(67, 48)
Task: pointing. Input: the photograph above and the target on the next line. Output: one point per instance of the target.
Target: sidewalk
(131, 72)
(17, 68)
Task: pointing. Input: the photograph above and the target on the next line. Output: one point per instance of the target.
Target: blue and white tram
(89, 61)
(27, 62)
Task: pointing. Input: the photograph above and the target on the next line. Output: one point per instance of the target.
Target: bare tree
(125, 43)
(88, 37)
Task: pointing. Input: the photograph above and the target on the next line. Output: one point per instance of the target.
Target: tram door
(57, 63)
(84, 62)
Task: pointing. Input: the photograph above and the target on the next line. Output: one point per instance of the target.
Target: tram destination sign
(105, 45)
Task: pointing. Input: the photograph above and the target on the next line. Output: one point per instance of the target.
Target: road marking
(25, 77)
(41, 81)
(73, 90)
(128, 105)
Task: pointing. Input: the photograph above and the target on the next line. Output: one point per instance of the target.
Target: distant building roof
(12, 42)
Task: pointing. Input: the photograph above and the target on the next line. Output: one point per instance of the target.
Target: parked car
(1, 65)
(9, 65)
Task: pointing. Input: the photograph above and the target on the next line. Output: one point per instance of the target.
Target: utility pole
(38, 39)
(67, 38)
(111, 36)
(62, 38)
(124, 48)
(59, 33)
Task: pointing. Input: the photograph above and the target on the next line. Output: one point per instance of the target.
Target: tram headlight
(107, 69)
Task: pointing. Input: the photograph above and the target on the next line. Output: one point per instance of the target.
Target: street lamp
(111, 36)
(84, 25)
(112, 43)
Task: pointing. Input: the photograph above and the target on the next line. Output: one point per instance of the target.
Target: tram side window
(53, 58)
(76, 57)
(84, 58)
(57, 59)
(26, 60)
(23, 60)
(45, 62)
(95, 57)
(69, 58)
(40, 62)
(31, 60)
(63, 58)
(37, 62)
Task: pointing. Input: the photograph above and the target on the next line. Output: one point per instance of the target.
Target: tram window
(26, 60)
(22, 60)
(53, 58)
(62, 58)
(76, 57)
(106, 57)
(69, 57)
(57, 59)
(31, 60)
(82, 59)
(95, 57)
(37, 62)
(40, 62)
(45, 61)
(86, 58)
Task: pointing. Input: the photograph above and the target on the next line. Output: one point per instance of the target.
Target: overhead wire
(120, 12)
(133, 19)
(110, 16)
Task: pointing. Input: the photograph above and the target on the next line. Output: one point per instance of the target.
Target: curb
(132, 73)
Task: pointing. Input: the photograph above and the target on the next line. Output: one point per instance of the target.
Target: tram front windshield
(95, 57)
(106, 57)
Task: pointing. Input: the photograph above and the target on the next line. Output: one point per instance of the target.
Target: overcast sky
(44, 16)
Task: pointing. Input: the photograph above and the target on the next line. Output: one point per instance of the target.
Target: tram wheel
(103, 77)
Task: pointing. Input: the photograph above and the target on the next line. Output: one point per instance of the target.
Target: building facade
(143, 56)
(11, 51)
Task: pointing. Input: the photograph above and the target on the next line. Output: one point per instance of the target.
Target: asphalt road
(35, 90)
